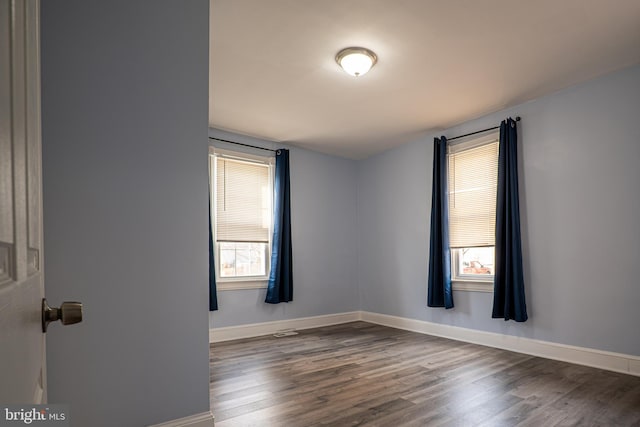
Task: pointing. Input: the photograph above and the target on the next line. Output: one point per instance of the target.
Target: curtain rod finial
(517, 118)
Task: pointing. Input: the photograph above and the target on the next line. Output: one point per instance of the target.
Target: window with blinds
(473, 184)
(242, 216)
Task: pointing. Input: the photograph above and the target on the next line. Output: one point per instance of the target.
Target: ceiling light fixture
(356, 60)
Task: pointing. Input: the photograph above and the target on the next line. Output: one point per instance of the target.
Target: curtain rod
(479, 131)
(244, 145)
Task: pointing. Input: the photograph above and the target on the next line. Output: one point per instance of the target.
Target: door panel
(22, 365)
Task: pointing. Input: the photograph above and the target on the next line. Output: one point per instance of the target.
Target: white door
(22, 343)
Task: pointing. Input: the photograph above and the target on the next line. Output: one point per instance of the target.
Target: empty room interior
(362, 185)
(419, 212)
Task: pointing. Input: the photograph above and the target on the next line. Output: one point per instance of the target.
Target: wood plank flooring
(360, 374)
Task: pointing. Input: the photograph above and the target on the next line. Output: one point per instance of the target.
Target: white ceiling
(440, 63)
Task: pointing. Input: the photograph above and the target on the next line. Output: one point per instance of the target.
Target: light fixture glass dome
(356, 60)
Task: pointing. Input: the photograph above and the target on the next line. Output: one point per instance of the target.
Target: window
(242, 216)
(473, 183)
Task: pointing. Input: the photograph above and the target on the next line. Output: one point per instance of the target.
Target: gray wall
(324, 238)
(125, 181)
(580, 202)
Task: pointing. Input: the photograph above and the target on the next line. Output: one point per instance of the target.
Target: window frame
(461, 281)
(468, 282)
(241, 282)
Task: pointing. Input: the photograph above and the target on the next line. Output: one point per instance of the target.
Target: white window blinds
(473, 182)
(243, 201)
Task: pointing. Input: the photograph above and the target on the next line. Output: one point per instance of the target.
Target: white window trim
(472, 286)
(461, 282)
(245, 282)
(472, 142)
(240, 285)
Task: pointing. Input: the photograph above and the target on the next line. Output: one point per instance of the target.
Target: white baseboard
(617, 362)
(267, 328)
(204, 419)
(38, 396)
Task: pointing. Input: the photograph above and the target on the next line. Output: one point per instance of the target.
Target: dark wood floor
(359, 374)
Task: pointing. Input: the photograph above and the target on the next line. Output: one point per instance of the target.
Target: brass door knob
(70, 312)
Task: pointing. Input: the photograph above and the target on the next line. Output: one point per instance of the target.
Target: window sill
(472, 286)
(241, 285)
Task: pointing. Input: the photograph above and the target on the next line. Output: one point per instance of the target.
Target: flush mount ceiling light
(356, 60)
